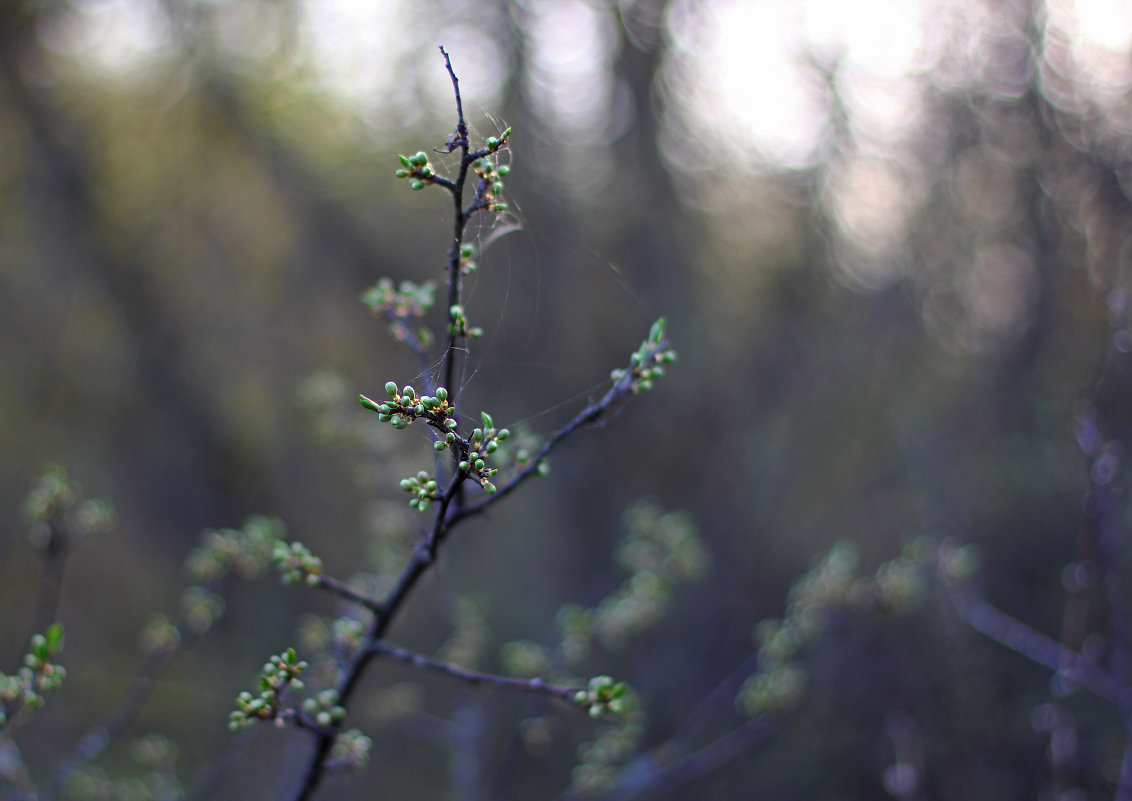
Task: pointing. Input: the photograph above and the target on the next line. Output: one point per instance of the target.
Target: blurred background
(891, 238)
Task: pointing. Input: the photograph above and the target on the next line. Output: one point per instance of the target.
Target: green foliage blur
(891, 340)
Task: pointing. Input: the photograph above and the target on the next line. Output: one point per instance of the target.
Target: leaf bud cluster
(37, 675)
(467, 262)
(417, 169)
(323, 709)
(406, 300)
(159, 636)
(351, 749)
(458, 324)
(491, 176)
(347, 634)
(200, 608)
(482, 444)
(297, 565)
(405, 406)
(423, 488)
(280, 672)
(648, 362)
(245, 551)
(602, 696)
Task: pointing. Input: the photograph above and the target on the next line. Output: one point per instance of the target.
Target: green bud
(466, 251)
(504, 170)
(402, 173)
(373, 406)
(416, 184)
(479, 464)
(406, 161)
(439, 445)
(492, 143)
(449, 423)
(463, 465)
(442, 393)
(391, 388)
(502, 434)
(488, 487)
(420, 159)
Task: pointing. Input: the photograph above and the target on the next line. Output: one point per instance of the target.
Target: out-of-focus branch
(647, 776)
(1031, 643)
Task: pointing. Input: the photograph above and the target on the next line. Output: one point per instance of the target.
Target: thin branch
(98, 738)
(423, 557)
(348, 593)
(717, 703)
(404, 334)
(475, 677)
(447, 183)
(644, 778)
(1017, 636)
(462, 127)
(460, 221)
(622, 387)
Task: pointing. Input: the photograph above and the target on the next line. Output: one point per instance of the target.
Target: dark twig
(647, 777)
(1016, 635)
(475, 677)
(98, 738)
(460, 222)
(622, 387)
(403, 333)
(348, 593)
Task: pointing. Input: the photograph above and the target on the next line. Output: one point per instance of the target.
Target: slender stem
(474, 677)
(348, 593)
(644, 778)
(459, 222)
(591, 414)
(1016, 635)
(423, 557)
